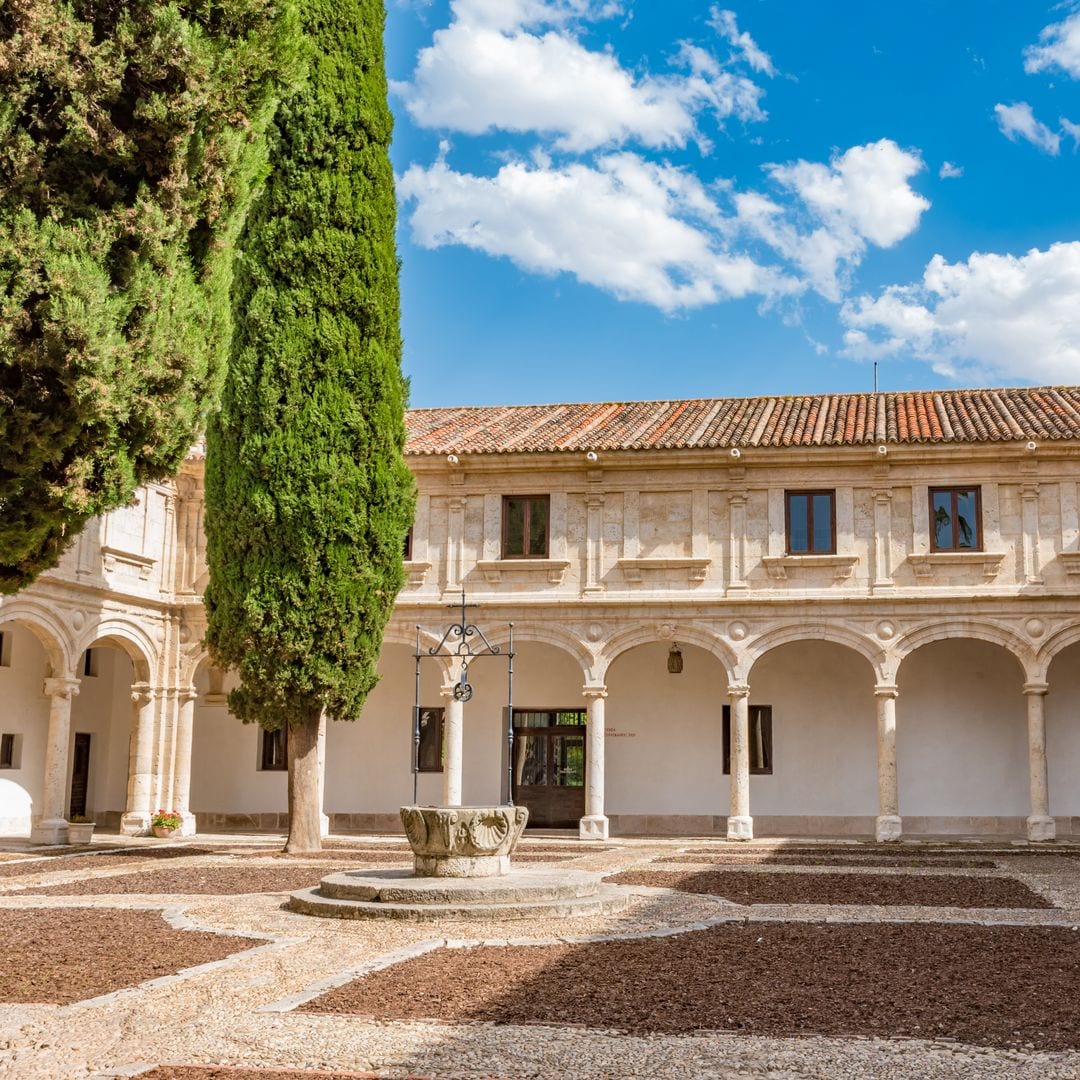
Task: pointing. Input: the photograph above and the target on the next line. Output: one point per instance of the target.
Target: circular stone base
(461, 866)
(521, 894)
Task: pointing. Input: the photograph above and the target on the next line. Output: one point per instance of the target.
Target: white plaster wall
(1063, 733)
(225, 777)
(664, 750)
(961, 732)
(824, 731)
(104, 709)
(24, 711)
(369, 760)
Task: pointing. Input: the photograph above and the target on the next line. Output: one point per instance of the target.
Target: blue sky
(609, 199)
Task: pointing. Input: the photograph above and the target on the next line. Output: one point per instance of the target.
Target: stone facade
(910, 689)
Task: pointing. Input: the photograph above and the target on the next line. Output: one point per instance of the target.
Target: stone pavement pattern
(244, 1010)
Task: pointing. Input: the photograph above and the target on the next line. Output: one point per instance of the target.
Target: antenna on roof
(875, 376)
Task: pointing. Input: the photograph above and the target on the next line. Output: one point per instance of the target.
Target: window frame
(766, 713)
(9, 750)
(408, 546)
(953, 490)
(440, 712)
(528, 501)
(810, 493)
(264, 740)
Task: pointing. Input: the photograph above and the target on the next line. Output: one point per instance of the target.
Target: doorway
(80, 774)
(549, 765)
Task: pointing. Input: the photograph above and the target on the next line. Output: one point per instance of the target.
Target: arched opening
(961, 739)
(813, 740)
(550, 748)
(24, 666)
(100, 752)
(1063, 733)
(664, 747)
(238, 771)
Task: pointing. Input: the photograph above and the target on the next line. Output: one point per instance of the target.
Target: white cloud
(1059, 48)
(636, 229)
(992, 317)
(1072, 130)
(949, 171)
(1018, 121)
(724, 23)
(861, 196)
(518, 65)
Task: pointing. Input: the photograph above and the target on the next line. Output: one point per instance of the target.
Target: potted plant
(80, 829)
(165, 823)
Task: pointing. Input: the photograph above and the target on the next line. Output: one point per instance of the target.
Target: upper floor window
(525, 526)
(811, 522)
(956, 519)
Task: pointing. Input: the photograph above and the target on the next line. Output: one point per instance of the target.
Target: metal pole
(416, 725)
(510, 720)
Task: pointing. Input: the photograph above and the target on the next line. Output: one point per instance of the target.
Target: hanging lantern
(674, 659)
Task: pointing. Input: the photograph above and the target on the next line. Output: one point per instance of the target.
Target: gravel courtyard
(768, 960)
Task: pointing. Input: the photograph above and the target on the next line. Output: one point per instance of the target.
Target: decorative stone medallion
(1035, 627)
(463, 841)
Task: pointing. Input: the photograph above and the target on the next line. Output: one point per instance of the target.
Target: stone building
(848, 614)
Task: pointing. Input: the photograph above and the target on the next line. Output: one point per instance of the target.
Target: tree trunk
(305, 786)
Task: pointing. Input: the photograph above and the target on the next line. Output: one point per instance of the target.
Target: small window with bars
(9, 751)
(275, 750)
(761, 744)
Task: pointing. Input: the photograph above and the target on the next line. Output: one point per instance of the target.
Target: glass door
(549, 765)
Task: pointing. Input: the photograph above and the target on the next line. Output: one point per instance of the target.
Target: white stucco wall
(961, 732)
(24, 711)
(1063, 733)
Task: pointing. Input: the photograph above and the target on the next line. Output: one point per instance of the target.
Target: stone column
(181, 795)
(740, 825)
(594, 543)
(50, 826)
(594, 825)
(889, 825)
(453, 737)
(882, 540)
(1029, 533)
(136, 819)
(737, 542)
(320, 751)
(1040, 825)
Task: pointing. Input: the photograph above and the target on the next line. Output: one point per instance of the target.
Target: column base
(887, 828)
(324, 826)
(187, 824)
(135, 823)
(593, 827)
(49, 831)
(1040, 829)
(740, 828)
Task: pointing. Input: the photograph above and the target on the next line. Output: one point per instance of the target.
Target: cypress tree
(308, 494)
(131, 137)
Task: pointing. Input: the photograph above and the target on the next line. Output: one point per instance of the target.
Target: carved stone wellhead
(463, 841)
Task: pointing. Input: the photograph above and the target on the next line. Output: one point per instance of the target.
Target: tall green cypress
(307, 491)
(131, 138)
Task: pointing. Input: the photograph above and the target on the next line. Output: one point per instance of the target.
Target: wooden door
(80, 774)
(549, 766)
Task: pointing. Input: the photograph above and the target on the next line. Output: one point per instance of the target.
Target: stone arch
(131, 639)
(1007, 639)
(625, 640)
(549, 635)
(47, 629)
(1057, 643)
(873, 653)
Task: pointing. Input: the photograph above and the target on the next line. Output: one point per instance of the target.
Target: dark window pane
(431, 740)
(967, 524)
(569, 756)
(515, 526)
(7, 751)
(538, 526)
(275, 749)
(530, 760)
(942, 523)
(799, 523)
(575, 718)
(823, 512)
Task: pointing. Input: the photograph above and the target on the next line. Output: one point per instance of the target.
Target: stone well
(463, 841)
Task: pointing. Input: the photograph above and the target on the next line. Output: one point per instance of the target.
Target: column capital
(61, 688)
(594, 692)
(738, 690)
(594, 500)
(1039, 688)
(142, 693)
(737, 498)
(186, 693)
(886, 690)
(882, 495)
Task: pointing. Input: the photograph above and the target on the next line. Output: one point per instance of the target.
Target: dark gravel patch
(761, 887)
(919, 851)
(59, 956)
(911, 861)
(238, 1072)
(194, 880)
(996, 986)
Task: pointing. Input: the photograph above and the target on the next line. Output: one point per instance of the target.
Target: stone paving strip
(212, 1018)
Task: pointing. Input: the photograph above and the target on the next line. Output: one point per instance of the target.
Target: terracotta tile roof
(927, 416)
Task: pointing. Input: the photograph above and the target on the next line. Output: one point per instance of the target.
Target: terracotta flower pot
(80, 832)
(163, 833)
